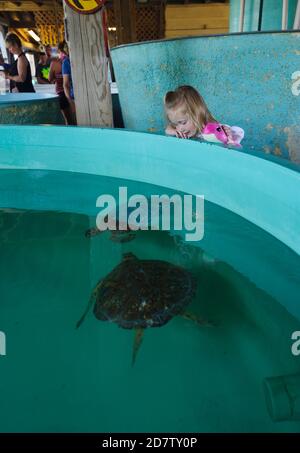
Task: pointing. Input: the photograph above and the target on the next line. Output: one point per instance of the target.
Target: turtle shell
(143, 293)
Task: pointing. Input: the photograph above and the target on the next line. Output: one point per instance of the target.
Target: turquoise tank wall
(30, 108)
(238, 181)
(271, 17)
(250, 80)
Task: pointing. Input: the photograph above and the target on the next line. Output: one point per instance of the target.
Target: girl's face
(182, 123)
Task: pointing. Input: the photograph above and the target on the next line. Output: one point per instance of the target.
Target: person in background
(43, 69)
(55, 76)
(19, 72)
(48, 51)
(67, 77)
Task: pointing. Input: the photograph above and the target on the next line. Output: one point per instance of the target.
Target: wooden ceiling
(20, 16)
(44, 5)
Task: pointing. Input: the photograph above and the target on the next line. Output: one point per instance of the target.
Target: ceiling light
(34, 35)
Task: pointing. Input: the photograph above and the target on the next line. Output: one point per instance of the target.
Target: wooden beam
(89, 68)
(21, 24)
(125, 14)
(3, 20)
(26, 6)
(162, 19)
(128, 12)
(118, 19)
(6, 17)
(18, 19)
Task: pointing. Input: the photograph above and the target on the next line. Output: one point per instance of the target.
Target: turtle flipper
(91, 301)
(95, 230)
(129, 256)
(122, 236)
(197, 319)
(138, 338)
(92, 232)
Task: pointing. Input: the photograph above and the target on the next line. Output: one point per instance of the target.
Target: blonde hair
(192, 103)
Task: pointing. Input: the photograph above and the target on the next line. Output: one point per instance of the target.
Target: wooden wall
(50, 25)
(134, 21)
(193, 19)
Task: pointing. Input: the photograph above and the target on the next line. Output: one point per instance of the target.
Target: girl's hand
(170, 130)
(181, 135)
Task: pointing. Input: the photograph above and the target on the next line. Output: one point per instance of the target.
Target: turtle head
(129, 257)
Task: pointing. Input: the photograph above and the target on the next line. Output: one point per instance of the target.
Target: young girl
(188, 116)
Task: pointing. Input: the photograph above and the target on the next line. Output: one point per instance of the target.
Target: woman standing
(19, 73)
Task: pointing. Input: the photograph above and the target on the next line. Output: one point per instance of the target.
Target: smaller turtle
(118, 235)
(138, 294)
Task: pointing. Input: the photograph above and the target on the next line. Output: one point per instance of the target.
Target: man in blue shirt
(67, 75)
(68, 84)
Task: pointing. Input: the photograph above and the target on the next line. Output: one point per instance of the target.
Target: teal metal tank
(271, 15)
(252, 193)
(249, 80)
(192, 378)
(30, 108)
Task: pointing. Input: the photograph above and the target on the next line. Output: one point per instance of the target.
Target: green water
(186, 378)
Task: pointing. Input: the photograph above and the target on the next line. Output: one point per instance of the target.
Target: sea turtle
(120, 234)
(143, 293)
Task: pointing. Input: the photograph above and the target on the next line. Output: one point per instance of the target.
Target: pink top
(215, 132)
(59, 81)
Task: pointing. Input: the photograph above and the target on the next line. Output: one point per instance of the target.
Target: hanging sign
(85, 6)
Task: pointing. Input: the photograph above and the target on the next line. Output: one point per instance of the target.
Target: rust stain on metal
(20, 115)
(270, 106)
(269, 127)
(268, 75)
(267, 149)
(277, 151)
(292, 143)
